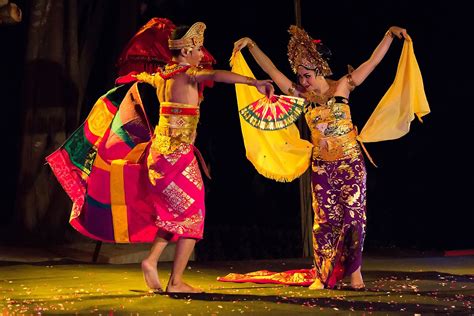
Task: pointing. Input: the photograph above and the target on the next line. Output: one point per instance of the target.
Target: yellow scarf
(280, 155)
(406, 97)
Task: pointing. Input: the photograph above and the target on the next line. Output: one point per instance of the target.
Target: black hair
(177, 34)
(324, 51)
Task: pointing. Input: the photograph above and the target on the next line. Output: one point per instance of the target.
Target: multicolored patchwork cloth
(123, 188)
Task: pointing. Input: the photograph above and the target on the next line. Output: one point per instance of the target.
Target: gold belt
(171, 132)
(336, 147)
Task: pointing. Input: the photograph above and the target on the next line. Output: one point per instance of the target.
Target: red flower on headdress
(316, 41)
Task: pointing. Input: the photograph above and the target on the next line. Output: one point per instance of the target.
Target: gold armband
(389, 33)
(250, 81)
(292, 89)
(351, 82)
(251, 44)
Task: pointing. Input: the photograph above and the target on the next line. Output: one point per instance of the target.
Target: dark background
(420, 195)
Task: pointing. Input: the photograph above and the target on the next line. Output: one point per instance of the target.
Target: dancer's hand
(243, 42)
(398, 32)
(265, 87)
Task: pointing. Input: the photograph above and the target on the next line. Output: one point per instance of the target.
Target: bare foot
(357, 283)
(150, 274)
(182, 288)
(317, 285)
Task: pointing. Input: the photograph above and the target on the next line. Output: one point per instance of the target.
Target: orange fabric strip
(117, 199)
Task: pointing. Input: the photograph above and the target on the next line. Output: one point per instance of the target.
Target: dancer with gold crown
(182, 219)
(135, 185)
(338, 172)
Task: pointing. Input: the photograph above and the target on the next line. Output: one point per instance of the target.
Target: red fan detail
(273, 114)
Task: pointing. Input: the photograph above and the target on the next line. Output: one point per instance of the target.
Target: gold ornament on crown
(302, 52)
(194, 37)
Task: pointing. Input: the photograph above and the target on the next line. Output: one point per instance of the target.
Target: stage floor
(411, 284)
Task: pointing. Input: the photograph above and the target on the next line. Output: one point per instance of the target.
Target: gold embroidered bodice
(178, 121)
(332, 132)
(177, 125)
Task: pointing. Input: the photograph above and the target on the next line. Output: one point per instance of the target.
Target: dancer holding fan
(338, 173)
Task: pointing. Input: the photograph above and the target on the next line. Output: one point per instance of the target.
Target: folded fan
(273, 114)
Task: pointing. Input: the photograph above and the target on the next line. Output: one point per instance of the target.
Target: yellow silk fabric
(280, 155)
(406, 97)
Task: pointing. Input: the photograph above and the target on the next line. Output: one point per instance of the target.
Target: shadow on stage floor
(423, 284)
(325, 303)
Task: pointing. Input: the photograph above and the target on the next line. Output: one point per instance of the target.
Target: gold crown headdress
(302, 51)
(193, 37)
